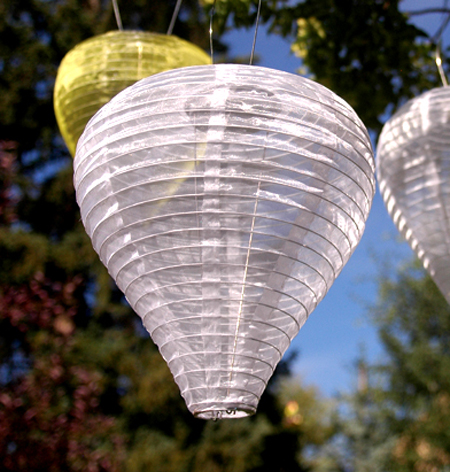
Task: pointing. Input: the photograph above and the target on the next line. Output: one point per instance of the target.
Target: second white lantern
(413, 169)
(224, 201)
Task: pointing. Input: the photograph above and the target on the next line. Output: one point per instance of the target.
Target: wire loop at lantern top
(224, 200)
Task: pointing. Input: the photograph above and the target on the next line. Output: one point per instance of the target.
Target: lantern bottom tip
(221, 411)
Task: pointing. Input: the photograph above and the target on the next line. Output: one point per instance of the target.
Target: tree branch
(426, 11)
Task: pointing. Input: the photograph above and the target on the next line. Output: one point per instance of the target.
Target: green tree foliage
(367, 51)
(82, 387)
(398, 419)
(414, 321)
(363, 439)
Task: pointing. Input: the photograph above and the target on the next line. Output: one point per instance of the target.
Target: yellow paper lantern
(99, 68)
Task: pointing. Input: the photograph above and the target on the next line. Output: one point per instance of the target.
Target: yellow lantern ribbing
(99, 68)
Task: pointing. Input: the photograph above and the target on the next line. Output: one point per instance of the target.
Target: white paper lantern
(224, 201)
(413, 170)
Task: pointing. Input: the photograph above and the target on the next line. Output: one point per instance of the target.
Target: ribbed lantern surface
(413, 171)
(224, 201)
(100, 67)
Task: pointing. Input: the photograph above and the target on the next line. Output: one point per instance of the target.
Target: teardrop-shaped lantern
(224, 201)
(102, 66)
(413, 170)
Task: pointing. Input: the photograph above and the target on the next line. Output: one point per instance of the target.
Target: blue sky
(339, 329)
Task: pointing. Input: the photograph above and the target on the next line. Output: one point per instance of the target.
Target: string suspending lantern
(224, 200)
(413, 171)
(100, 67)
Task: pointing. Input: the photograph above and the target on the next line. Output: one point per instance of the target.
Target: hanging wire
(174, 16)
(437, 39)
(117, 15)
(211, 17)
(258, 15)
